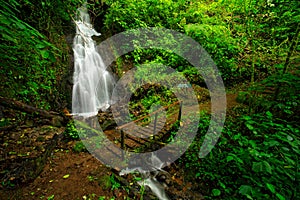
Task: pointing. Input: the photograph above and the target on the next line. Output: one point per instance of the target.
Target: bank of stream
(70, 172)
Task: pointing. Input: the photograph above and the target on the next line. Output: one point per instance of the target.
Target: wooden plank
(134, 139)
(135, 121)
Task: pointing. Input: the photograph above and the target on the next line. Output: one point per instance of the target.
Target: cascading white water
(93, 84)
(92, 90)
(154, 164)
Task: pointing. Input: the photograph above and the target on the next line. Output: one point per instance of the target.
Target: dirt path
(70, 176)
(230, 103)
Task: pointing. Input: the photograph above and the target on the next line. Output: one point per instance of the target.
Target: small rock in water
(168, 182)
(161, 178)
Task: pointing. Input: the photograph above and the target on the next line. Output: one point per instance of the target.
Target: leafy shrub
(204, 22)
(79, 147)
(34, 50)
(126, 14)
(258, 160)
(24, 52)
(217, 41)
(71, 131)
(257, 156)
(277, 93)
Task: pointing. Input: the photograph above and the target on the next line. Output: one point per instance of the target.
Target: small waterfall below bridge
(93, 84)
(154, 164)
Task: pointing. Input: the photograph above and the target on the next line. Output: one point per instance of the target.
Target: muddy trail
(70, 173)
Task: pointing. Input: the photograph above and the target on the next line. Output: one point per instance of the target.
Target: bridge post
(122, 142)
(155, 120)
(179, 113)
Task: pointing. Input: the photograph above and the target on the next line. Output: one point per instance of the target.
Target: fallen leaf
(66, 176)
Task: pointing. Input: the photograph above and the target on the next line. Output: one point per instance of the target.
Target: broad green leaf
(257, 166)
(21, 25)
(253, 144)
(229, 158)
(45, 54)
(216, 192)
(267, 167)
(289, 138)
(247, 117)
(279, 196)
(236, 137)
(263, 166)
(245, 189)
(250, 127)
(51, 57)
(5, 21)
(269, 113)
(9, 38)
(272, 143)
(40, 46)
(290, 161)
(222, 185)
(271, 187)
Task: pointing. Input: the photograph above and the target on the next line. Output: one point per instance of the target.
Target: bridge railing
(155, 114)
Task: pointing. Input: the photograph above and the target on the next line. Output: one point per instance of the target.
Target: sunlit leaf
(279, 196)
(66, 176)
(229, 158)
(45, 54)
(250, 127)
(216, 192)
(271, 187)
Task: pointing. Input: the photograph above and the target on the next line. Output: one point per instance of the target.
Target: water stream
(149, 179)
(92, 90)
(93, 84)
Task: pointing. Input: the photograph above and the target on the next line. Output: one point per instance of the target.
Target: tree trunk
(56, 118)
(287, 60)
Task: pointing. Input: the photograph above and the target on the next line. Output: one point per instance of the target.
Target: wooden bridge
(146, 134)
(149, 129)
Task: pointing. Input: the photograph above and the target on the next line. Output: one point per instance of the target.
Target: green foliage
(105, 181)
(79, 147)
(193, 19)
(265, 29)
(4, 122)
(49, 15)
(277, 93)
(115, 184)
(245, 38)
(151, 93)
(33, 50)
(127, 14)
(51, 197)
(274, 20)
(257, 156)
(71, 131)
(24, 51)
(207, 23)
(259, 159)
(217, 40)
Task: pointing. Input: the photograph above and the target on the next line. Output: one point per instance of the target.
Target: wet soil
(68, 175)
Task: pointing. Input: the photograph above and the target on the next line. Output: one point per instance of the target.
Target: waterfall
(153, 164)
(92, 89)
(93, 84)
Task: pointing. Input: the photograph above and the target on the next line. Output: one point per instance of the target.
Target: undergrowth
(257, 156)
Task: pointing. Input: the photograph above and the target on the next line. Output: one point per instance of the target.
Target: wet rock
(168, 182)
(161, 178)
